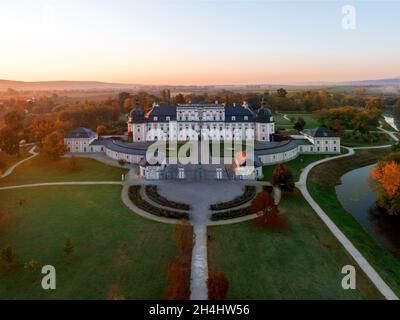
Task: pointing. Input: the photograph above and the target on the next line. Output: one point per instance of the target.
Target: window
(168, 118)
(326, 141)
(334, 142)
(246, 118)
(155, 118)
(318, 142)
(334, 149)
(233, 118)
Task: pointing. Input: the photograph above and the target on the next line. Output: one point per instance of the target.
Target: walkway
(11, 169)
(381, 285)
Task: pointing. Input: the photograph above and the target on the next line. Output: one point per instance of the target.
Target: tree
(283, 178)
(387, 185)
(128, 104)
(282, 93)
(31, 266)
(299, 124)
(8, 258)
(68, 249)
(9, 141)
(121, 100)
(53, 146)
(179, 99)
(14, 119)
(218, 286)
(263, 202)
(101, 129)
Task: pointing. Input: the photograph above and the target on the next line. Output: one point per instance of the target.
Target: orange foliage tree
(218, 285)
(179, 271)
(387, 187)
(282, 177)
(271, 218)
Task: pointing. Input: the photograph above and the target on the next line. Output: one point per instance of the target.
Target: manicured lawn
(302, 262)
(375, 139)
(42, 170)
(321, 184)
(117, 253)
(309, 118)
(295, 165)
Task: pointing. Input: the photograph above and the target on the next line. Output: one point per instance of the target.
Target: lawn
(302, 262)
(43, 170)
(309, 118)
(373, 139)
(321, 185)
(116, 253)
(295, 165)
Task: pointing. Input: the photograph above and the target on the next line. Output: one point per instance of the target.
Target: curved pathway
(11, 169)
(371, 273)
(66, 183)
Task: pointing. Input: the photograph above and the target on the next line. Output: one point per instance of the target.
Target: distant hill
(62, 85)
(378, 82)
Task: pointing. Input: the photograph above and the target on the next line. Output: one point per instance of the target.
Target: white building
(206, 121)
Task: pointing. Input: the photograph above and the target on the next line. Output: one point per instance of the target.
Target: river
(356, 197)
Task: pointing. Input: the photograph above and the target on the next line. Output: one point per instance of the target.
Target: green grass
(40, 169)
(115, 250)
(302, 262)
(309, 118)
(374, 139)
(321, 185)
(295, 165)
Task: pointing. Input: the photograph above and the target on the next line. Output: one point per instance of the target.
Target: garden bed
(249, 193)
(134, 195)
(152, 193)
(231, 214)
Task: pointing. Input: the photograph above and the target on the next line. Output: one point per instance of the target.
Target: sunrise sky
(197, 42)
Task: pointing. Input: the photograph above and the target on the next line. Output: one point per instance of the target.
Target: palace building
(200, 122)
(195, 121)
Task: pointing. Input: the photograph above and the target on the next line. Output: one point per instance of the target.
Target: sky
(197, 42)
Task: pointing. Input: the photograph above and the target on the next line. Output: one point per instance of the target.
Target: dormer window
(233, 118)
(168, 118)
(155, 118)
(246, 118)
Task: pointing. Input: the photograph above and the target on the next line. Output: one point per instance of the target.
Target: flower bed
(231, 214)
(134, 195)
(249, 193)
(152, 193)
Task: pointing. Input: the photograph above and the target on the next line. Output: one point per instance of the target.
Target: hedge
(134, 195)
(249, 193)
(152, 193)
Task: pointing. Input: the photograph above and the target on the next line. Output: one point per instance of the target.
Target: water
(356, 197)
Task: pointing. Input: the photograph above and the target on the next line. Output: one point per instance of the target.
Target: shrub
(134, 195)
(152, 193)
(231, 214)
(218, 286)
(249, 193)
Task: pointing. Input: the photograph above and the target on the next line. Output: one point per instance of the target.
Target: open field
(303, 261)
(374, 139)
(40, 169)
(117, 254)
(321, 185)
(309, 118)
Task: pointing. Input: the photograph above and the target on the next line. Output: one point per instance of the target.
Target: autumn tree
(179, 271)
(282, 177)
(52, 146)
(101, 130)
(9, 141)
(179, 99)
(270, 218)
(387, 186)
(282, 93)
(218, 286)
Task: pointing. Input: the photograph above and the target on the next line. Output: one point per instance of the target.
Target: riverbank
(321, 185)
